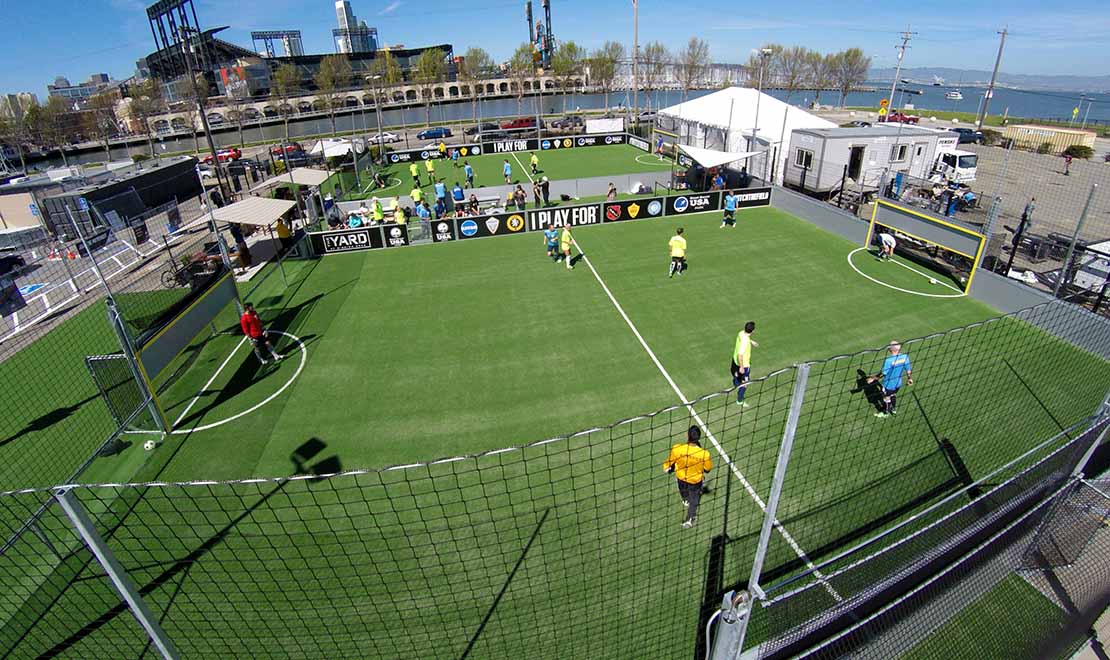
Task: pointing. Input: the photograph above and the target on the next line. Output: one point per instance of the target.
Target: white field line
(716, 445)
(926, 275)
(522, 168)
(210, 381)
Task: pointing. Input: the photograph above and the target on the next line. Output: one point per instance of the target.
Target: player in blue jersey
(551, 240)
(895, 366)
(730, 209)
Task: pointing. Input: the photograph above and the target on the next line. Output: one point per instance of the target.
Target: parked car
(481, 128)
(435, 133)
(968, 135)
(386, 137)
(568, 122)
(520, 123)
(647, 115)
(11, 263)
(289, 147)
(496, 136)
(902, 117)
(857, 124)
(224, 156)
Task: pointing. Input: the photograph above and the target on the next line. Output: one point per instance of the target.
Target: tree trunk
(196, 140)
(817, 95)
(107, 149)
(286, 117)
(150, 142)
(242, 143)
(606, 99)
(62, 151)
(331, 113)
(22, 160)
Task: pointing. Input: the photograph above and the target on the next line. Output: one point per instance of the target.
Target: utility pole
(635, 60)
(906, 36)
(187, 48)
(990, 88)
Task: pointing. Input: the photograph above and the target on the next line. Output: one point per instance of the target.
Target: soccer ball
(149, 445)
(932, 280)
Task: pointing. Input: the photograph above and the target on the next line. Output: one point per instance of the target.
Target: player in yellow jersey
(689, 463)
(565, 243)
(741, 366)
(677, 245)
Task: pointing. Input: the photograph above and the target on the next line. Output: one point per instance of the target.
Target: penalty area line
(716, 445)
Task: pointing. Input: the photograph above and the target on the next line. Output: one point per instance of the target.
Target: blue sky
(78, 37)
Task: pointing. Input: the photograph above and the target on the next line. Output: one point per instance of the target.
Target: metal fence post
(1101, 413)
(119, 577)
(769, 513)
(1074, 238)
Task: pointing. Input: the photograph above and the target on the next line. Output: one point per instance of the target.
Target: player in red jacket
(252, 328)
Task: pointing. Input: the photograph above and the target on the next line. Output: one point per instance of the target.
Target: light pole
(376, 78)
(187, 48)
(764, 54)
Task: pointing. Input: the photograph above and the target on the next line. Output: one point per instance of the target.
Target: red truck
(902, 118)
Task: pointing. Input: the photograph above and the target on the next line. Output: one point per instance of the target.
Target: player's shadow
(575, 259)
(47, 420)
(176, 571)
(873, 392)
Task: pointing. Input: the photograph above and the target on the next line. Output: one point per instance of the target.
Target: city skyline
(1040, 42)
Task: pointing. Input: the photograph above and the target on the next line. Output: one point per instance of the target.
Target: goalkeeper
(689, 463)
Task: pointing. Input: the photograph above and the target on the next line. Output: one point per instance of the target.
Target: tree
(99, 120)
(603, 66)
(653, 68)
(50, 125)
(236, 112)
(147, 101)
(850, 72)
(14, 132)
(693, 60)
(284, 85)
(430, 71)
(789, 65)
(331, 80)
(819, 72)
(566, 64)
(476, 65)
(521, 68)
(759, 65)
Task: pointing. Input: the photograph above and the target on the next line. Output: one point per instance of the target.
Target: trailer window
(803, 158)
(968, 162)
(898, 152)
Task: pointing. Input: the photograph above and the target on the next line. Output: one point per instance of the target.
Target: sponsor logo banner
(633, 209)
(410, 155)
(509, 146)
(551, 144)
(564, 216)
(443, 231)
(395, 235)
(598, 140)
(492, 224)
(638, 143)
(684, 160)
(347, 240)
(693, 203)
(751, 197)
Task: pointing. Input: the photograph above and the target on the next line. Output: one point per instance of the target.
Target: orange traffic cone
(71, 255)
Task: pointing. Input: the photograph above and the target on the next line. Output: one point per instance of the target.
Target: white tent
(727, 121)
(708, 158)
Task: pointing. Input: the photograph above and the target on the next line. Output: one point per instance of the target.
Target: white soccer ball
(149, 445)
(932, 281)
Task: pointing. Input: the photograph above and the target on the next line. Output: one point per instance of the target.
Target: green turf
(1012, 620)
(442, 350)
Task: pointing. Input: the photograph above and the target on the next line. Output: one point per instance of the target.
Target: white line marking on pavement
(716, 445)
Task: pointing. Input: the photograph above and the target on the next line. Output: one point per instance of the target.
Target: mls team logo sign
(681, 204)
(637, 210)
(613, 212)
(515, 223)
(394, 157)
(468, 228)
(492, 224)
(546, 144)
(654, 207)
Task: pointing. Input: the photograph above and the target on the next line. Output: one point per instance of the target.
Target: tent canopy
(302, 176)
(258, 211)
(734, 110)
(708, 158)
(332, 147)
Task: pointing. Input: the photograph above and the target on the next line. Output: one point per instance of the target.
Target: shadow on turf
(871, 391)
(176, 571)
(46, 420)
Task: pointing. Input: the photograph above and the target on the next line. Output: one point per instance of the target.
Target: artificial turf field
(574, 163)
(443, 350)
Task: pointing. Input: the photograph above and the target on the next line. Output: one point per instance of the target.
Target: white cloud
(390, 8)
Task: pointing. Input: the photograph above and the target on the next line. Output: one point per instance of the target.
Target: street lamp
(764, 55)
(376, 78)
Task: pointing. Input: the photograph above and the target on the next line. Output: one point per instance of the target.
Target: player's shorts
(565, 247)
(260, 341)
(551, 247)
(890, 392)
(730, 215)
(679, 260)
(737, 372)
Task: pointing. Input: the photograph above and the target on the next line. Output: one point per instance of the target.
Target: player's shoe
(882, 415)
(264, 361)
(688, 524)
(278, 356)
(743, 404)
(685, 503)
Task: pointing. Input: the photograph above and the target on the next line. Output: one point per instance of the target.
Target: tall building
(352, 35)
(96, 83)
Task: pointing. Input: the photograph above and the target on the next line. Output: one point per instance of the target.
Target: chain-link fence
(573, 546)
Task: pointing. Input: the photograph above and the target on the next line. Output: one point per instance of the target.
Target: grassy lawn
(396, 357)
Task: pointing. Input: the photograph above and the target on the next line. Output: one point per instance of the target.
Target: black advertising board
(599, 140)
(395, 235)
(693, 203)
(564, 216)
(492, 224)
(640, 144)
(752, 197)
(633, 209)
(443, 231)
(556, 143)
(409, 155)
(346, 240)
(510, 146)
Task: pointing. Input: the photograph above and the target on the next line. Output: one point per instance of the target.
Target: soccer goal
(126, 401)
(941, 250)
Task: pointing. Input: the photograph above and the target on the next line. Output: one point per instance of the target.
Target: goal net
(125, 399)
(939, 249)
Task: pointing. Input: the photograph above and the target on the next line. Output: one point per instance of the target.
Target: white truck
(955, 165)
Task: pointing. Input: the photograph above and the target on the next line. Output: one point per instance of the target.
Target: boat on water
(954, 95)
(937, 81)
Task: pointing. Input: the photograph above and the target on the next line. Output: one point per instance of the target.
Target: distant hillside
(970, 77)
